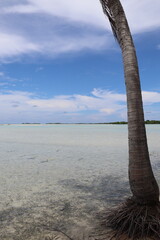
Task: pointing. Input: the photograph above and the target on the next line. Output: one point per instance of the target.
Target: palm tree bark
(142, 181)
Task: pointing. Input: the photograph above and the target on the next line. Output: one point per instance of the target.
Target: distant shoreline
(115, 123)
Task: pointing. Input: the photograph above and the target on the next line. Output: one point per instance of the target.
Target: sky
(59, 61)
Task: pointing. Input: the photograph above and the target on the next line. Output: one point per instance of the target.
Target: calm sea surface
(67, 150)
(77, 168)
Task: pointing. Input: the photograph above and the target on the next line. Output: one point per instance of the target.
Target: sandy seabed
(56, 187)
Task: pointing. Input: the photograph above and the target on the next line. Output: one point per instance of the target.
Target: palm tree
(144, 188)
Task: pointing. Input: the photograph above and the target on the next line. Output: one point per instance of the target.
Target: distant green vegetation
(152, 122)
(146, 122)
(30, 123)
(123, 122)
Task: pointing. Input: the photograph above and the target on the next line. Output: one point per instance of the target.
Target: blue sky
(59, 61)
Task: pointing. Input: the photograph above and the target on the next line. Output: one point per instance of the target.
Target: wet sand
(58, 190)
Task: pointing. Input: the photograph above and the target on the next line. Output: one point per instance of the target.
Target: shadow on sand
(72, 216)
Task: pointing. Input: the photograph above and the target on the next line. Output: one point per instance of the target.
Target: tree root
(134, 221)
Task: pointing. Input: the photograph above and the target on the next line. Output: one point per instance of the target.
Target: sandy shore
(68, 207)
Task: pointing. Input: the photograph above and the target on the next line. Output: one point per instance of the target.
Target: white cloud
(150, 97)
(20, 8)
(49, 27)
(142, 15)
(88, 11)
(74, 44)
(108, 94)
(6, 80)
(55, 29)
(3, 84)
(100, 106)
(108, 111)
(13, 45)
(2, 74)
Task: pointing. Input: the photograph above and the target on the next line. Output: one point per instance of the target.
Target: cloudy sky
(60, 63)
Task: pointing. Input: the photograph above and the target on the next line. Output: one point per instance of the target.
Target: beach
(57, 179)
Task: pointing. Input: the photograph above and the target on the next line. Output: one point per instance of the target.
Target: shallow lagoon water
(61, 175)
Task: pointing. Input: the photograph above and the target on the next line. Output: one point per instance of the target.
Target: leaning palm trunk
(142, 181)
